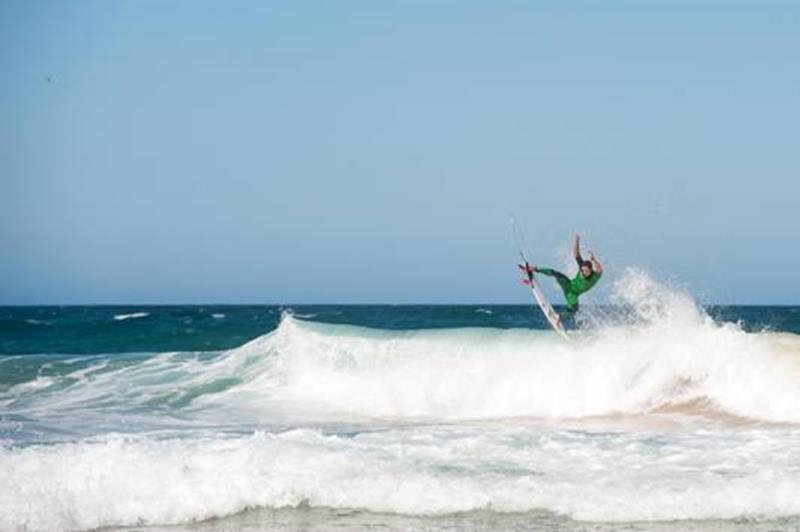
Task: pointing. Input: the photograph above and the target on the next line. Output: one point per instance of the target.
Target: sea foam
(118, 481)
(131, 316)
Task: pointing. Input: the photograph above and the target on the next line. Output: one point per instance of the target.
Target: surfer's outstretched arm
(576, 249)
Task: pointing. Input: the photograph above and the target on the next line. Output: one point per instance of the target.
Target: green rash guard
(574, 287)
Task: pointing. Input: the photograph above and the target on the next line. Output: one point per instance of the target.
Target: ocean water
(656, 414)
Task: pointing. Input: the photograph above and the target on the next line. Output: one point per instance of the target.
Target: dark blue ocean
(655, 414)
(143, 328)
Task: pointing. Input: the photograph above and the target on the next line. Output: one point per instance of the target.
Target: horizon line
(21, 305)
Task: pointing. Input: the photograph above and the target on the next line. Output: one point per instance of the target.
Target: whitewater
(654, 415)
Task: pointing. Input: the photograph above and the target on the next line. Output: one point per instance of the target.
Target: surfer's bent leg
(568, 317)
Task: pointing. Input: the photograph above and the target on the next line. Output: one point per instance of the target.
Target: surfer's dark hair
(588, 264)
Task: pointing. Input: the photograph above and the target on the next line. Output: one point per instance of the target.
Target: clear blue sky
(345, 152)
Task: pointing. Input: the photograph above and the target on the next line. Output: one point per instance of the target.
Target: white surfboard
(549, 312)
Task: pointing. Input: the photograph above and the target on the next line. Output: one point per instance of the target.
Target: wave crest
(660, 353)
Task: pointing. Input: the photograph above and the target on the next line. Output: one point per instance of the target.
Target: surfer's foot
(528, 271)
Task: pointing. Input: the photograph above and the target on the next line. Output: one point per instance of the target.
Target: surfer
(588, 274)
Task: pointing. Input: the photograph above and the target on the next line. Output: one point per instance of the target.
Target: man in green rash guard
(590, 272)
